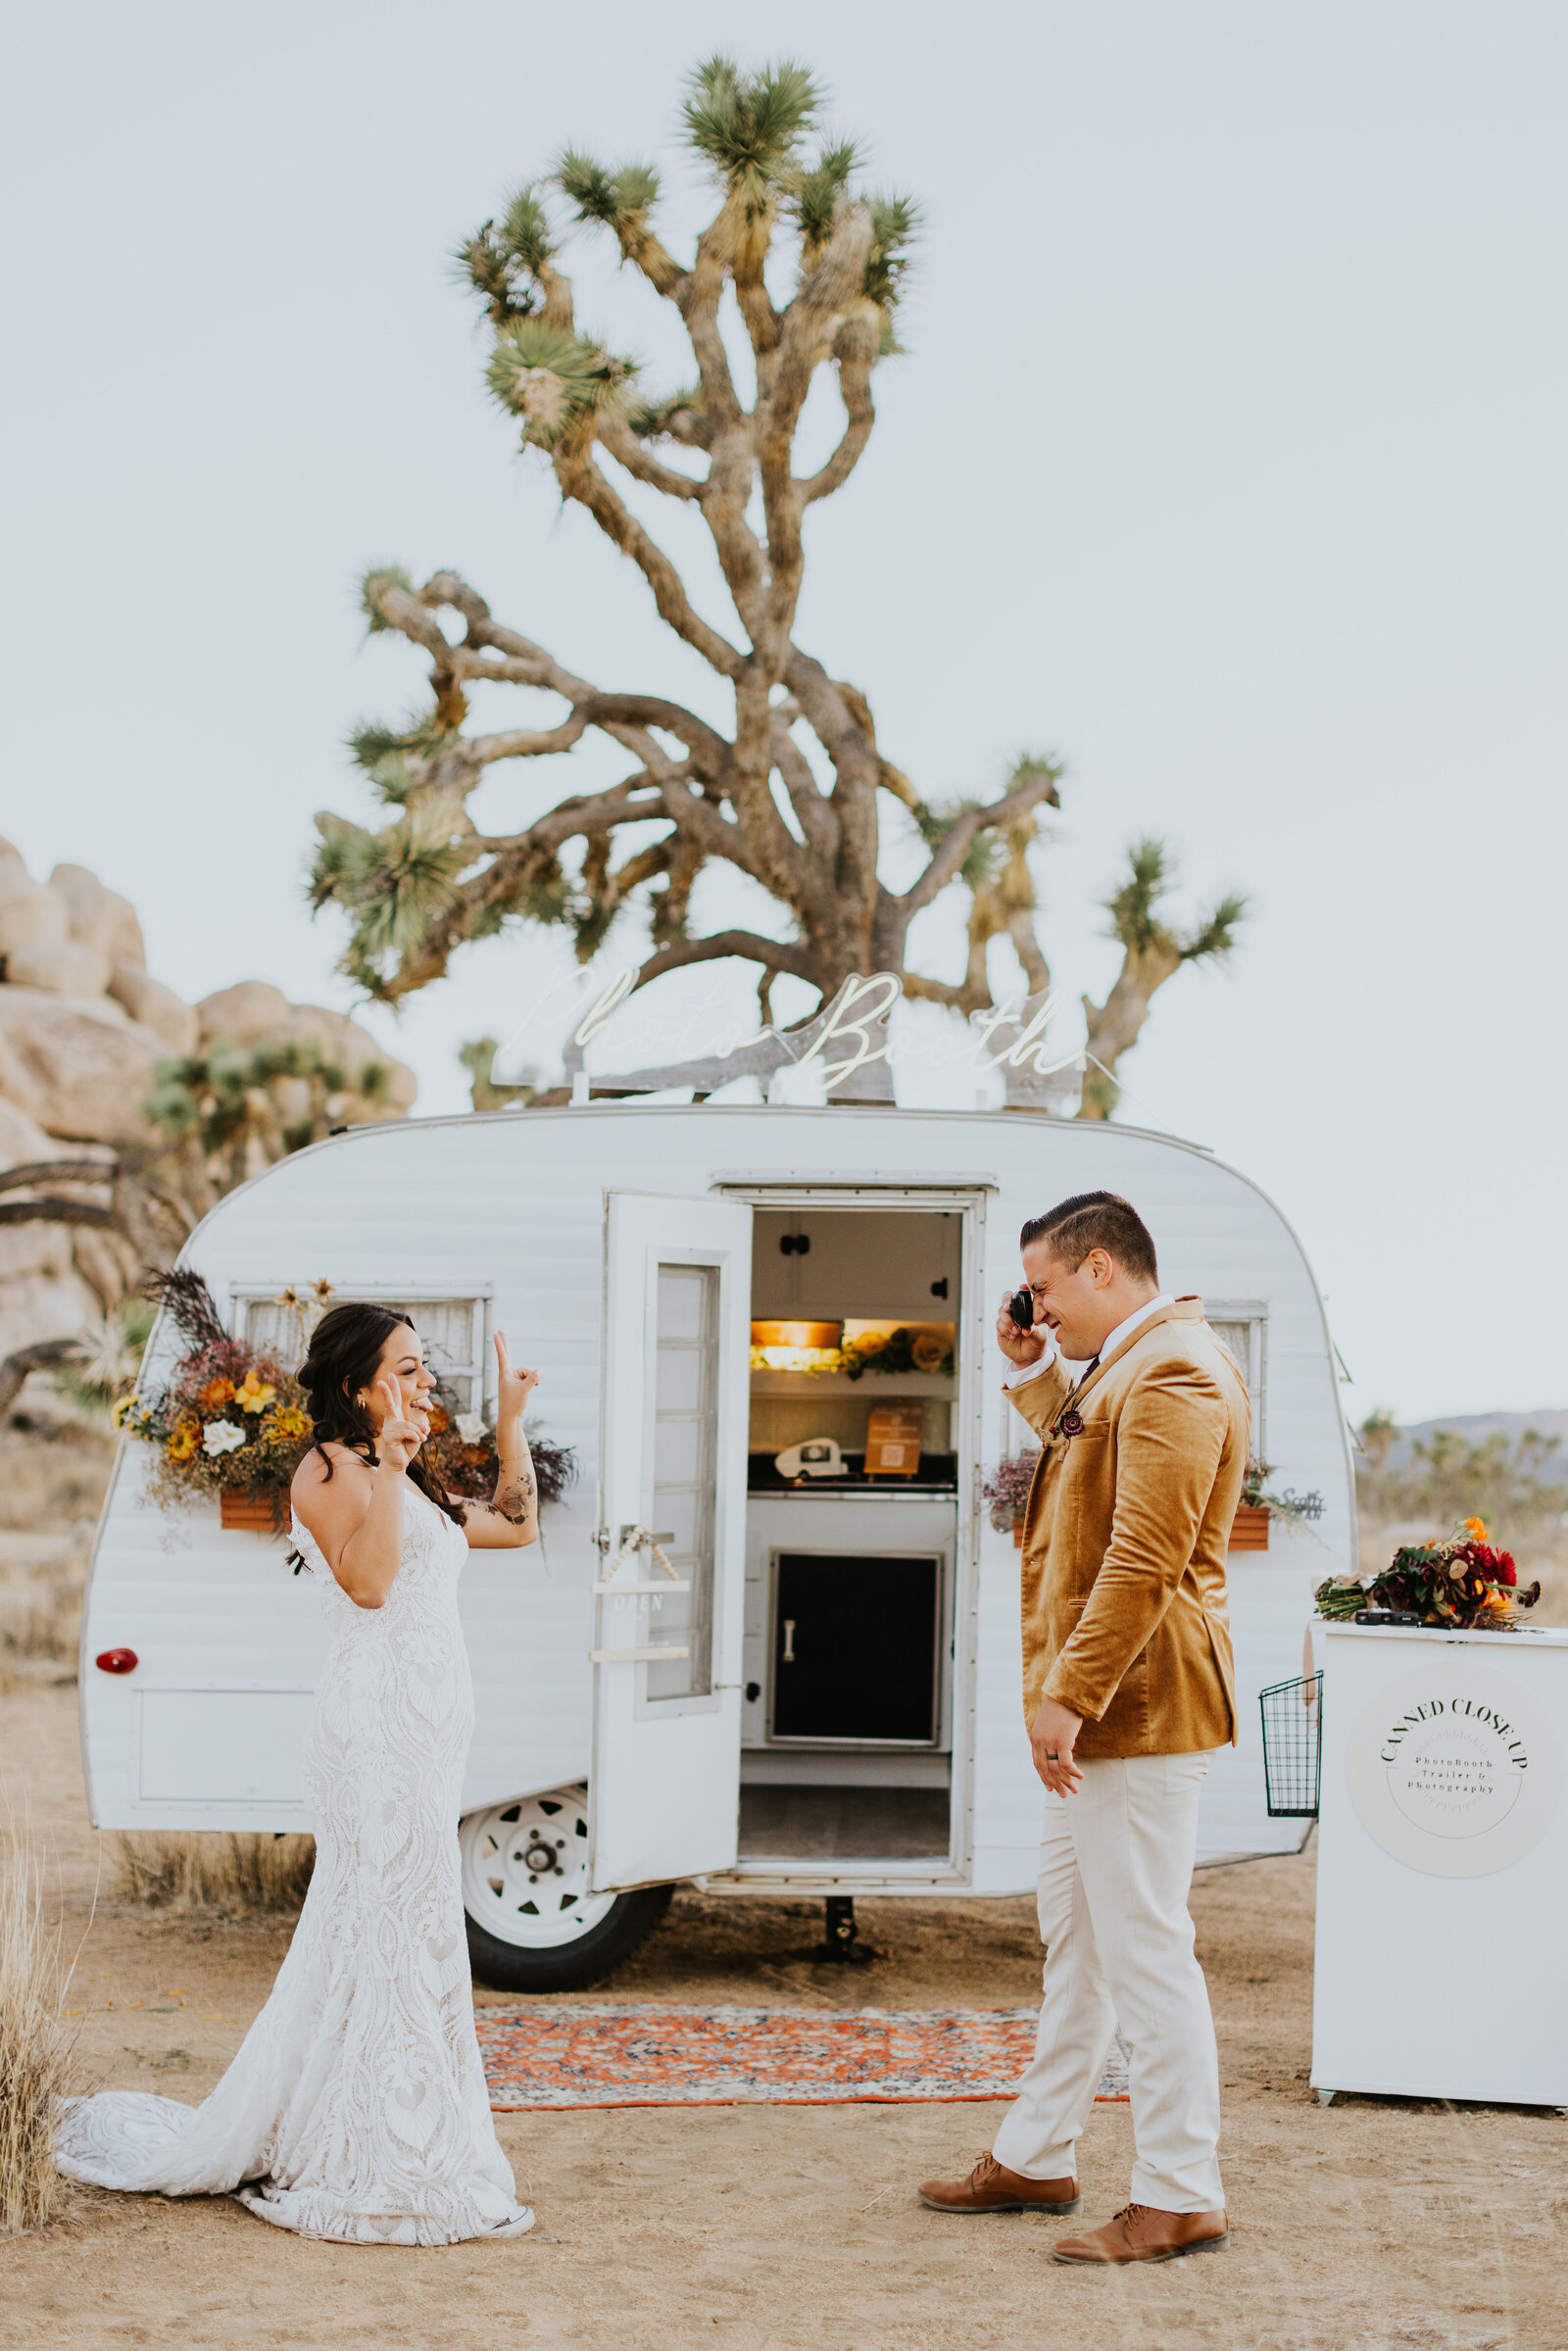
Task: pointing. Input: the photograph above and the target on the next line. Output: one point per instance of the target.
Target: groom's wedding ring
(1051, 1756)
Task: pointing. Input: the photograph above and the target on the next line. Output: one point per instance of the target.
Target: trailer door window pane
(685, 1469)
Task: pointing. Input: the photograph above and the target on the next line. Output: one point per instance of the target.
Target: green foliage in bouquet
(1461, 1581)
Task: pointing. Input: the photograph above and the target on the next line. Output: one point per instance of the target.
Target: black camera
(1021, 1307)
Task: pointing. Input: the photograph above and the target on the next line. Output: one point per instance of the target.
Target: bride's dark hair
(344, 1353)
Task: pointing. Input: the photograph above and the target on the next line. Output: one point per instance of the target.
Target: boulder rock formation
(85, 1035)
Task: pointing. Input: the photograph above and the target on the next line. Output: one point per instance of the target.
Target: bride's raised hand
(513, 1388)
(398, 1439)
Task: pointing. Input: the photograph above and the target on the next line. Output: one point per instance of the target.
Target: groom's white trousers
(1116, 1869)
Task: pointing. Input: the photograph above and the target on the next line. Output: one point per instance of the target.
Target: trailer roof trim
(728, 1179)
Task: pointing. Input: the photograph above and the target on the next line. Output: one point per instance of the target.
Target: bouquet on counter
(1461, 1581)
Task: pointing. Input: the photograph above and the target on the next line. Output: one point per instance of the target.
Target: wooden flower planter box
(1250, 1533)
(251, 1513)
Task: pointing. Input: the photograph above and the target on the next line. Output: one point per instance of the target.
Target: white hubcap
(525, 1870)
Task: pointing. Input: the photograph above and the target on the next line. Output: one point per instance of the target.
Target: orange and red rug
(622, 2053)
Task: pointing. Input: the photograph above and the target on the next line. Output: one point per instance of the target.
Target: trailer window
(1244, 1329)
(452, 1330)
(685, 1458)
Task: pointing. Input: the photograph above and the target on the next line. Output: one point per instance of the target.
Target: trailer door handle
(788, 1641)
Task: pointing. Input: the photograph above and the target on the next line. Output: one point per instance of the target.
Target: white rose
(221, 1437)
(469, 1427)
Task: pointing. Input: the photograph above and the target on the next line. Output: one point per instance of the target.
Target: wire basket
(1293, 1746)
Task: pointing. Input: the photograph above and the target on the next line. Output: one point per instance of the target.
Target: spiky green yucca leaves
(935, 819)
(552, 379)
(390, 755)
(616, 199)
(372, 581)
(748, 126)
(894, 227)
(391, 884)
(505, 260)
(1135, 921)
(814, 198)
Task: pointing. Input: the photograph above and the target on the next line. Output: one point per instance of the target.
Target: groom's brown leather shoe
(992, 2188)
(1142, 2233)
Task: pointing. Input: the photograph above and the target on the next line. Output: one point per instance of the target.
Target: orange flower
(439, 1421)
(286, 1425)
(1477, 1528)
(215, 1395)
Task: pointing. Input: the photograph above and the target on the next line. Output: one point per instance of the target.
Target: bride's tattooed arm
(516, 1493)
(510, 1517)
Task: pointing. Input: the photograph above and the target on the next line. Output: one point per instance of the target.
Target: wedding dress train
(356, 2108)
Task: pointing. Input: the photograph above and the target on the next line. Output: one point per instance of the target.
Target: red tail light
(116, 1661)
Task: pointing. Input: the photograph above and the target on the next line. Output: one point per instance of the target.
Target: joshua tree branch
(580, 478)
(776, 955)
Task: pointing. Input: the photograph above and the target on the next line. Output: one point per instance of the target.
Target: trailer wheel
(534, 1924)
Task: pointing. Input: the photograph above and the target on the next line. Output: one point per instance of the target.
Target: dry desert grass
(35, 2048)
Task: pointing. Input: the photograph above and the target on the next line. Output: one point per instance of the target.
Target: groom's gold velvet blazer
(1125, 1534)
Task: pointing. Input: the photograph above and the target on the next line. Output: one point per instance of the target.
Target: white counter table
(1441, 1961)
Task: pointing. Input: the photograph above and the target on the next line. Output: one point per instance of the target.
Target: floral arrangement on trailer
(1006, 1490)
(230, 1420)
(1462, 1581)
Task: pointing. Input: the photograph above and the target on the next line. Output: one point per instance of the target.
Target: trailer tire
(571, 1967)
(534, 1921)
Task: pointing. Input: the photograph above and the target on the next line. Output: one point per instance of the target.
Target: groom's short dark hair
(1095, 1220)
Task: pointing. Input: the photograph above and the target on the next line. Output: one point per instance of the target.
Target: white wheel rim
(526, 1871)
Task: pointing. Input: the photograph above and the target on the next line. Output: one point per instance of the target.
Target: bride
(356, 2108)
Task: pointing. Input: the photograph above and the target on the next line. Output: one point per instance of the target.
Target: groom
(1128, 1689)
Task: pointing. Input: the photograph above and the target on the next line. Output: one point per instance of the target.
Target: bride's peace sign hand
(513, 1388)
(398, 1439)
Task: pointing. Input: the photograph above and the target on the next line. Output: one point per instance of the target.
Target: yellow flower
(184, 1437)
(254, 1395)
(928, 1353)
(123, 1407)
(285, 1426)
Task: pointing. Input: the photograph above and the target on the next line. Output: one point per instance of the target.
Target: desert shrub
(239, 1874)
(34, 2046)
(1513, 1482)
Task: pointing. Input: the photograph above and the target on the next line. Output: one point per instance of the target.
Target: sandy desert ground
(1366, 2227)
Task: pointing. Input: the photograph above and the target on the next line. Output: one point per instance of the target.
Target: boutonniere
(1071, 1423)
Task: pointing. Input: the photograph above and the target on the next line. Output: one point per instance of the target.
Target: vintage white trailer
(829, 1703)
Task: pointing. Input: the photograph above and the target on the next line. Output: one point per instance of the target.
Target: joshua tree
(792, 789)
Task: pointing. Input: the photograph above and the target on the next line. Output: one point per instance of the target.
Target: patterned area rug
(653, 2054)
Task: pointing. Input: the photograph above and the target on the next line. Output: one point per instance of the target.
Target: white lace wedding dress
(356, 2108)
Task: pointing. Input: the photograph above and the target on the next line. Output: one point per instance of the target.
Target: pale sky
(1227, 458)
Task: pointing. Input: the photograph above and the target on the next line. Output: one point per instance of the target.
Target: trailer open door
(664, 1787)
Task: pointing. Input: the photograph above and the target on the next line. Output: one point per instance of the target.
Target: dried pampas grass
(34, 2046)
(241, 1874)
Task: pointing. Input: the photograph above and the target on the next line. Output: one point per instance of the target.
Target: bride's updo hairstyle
(345, 1350)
